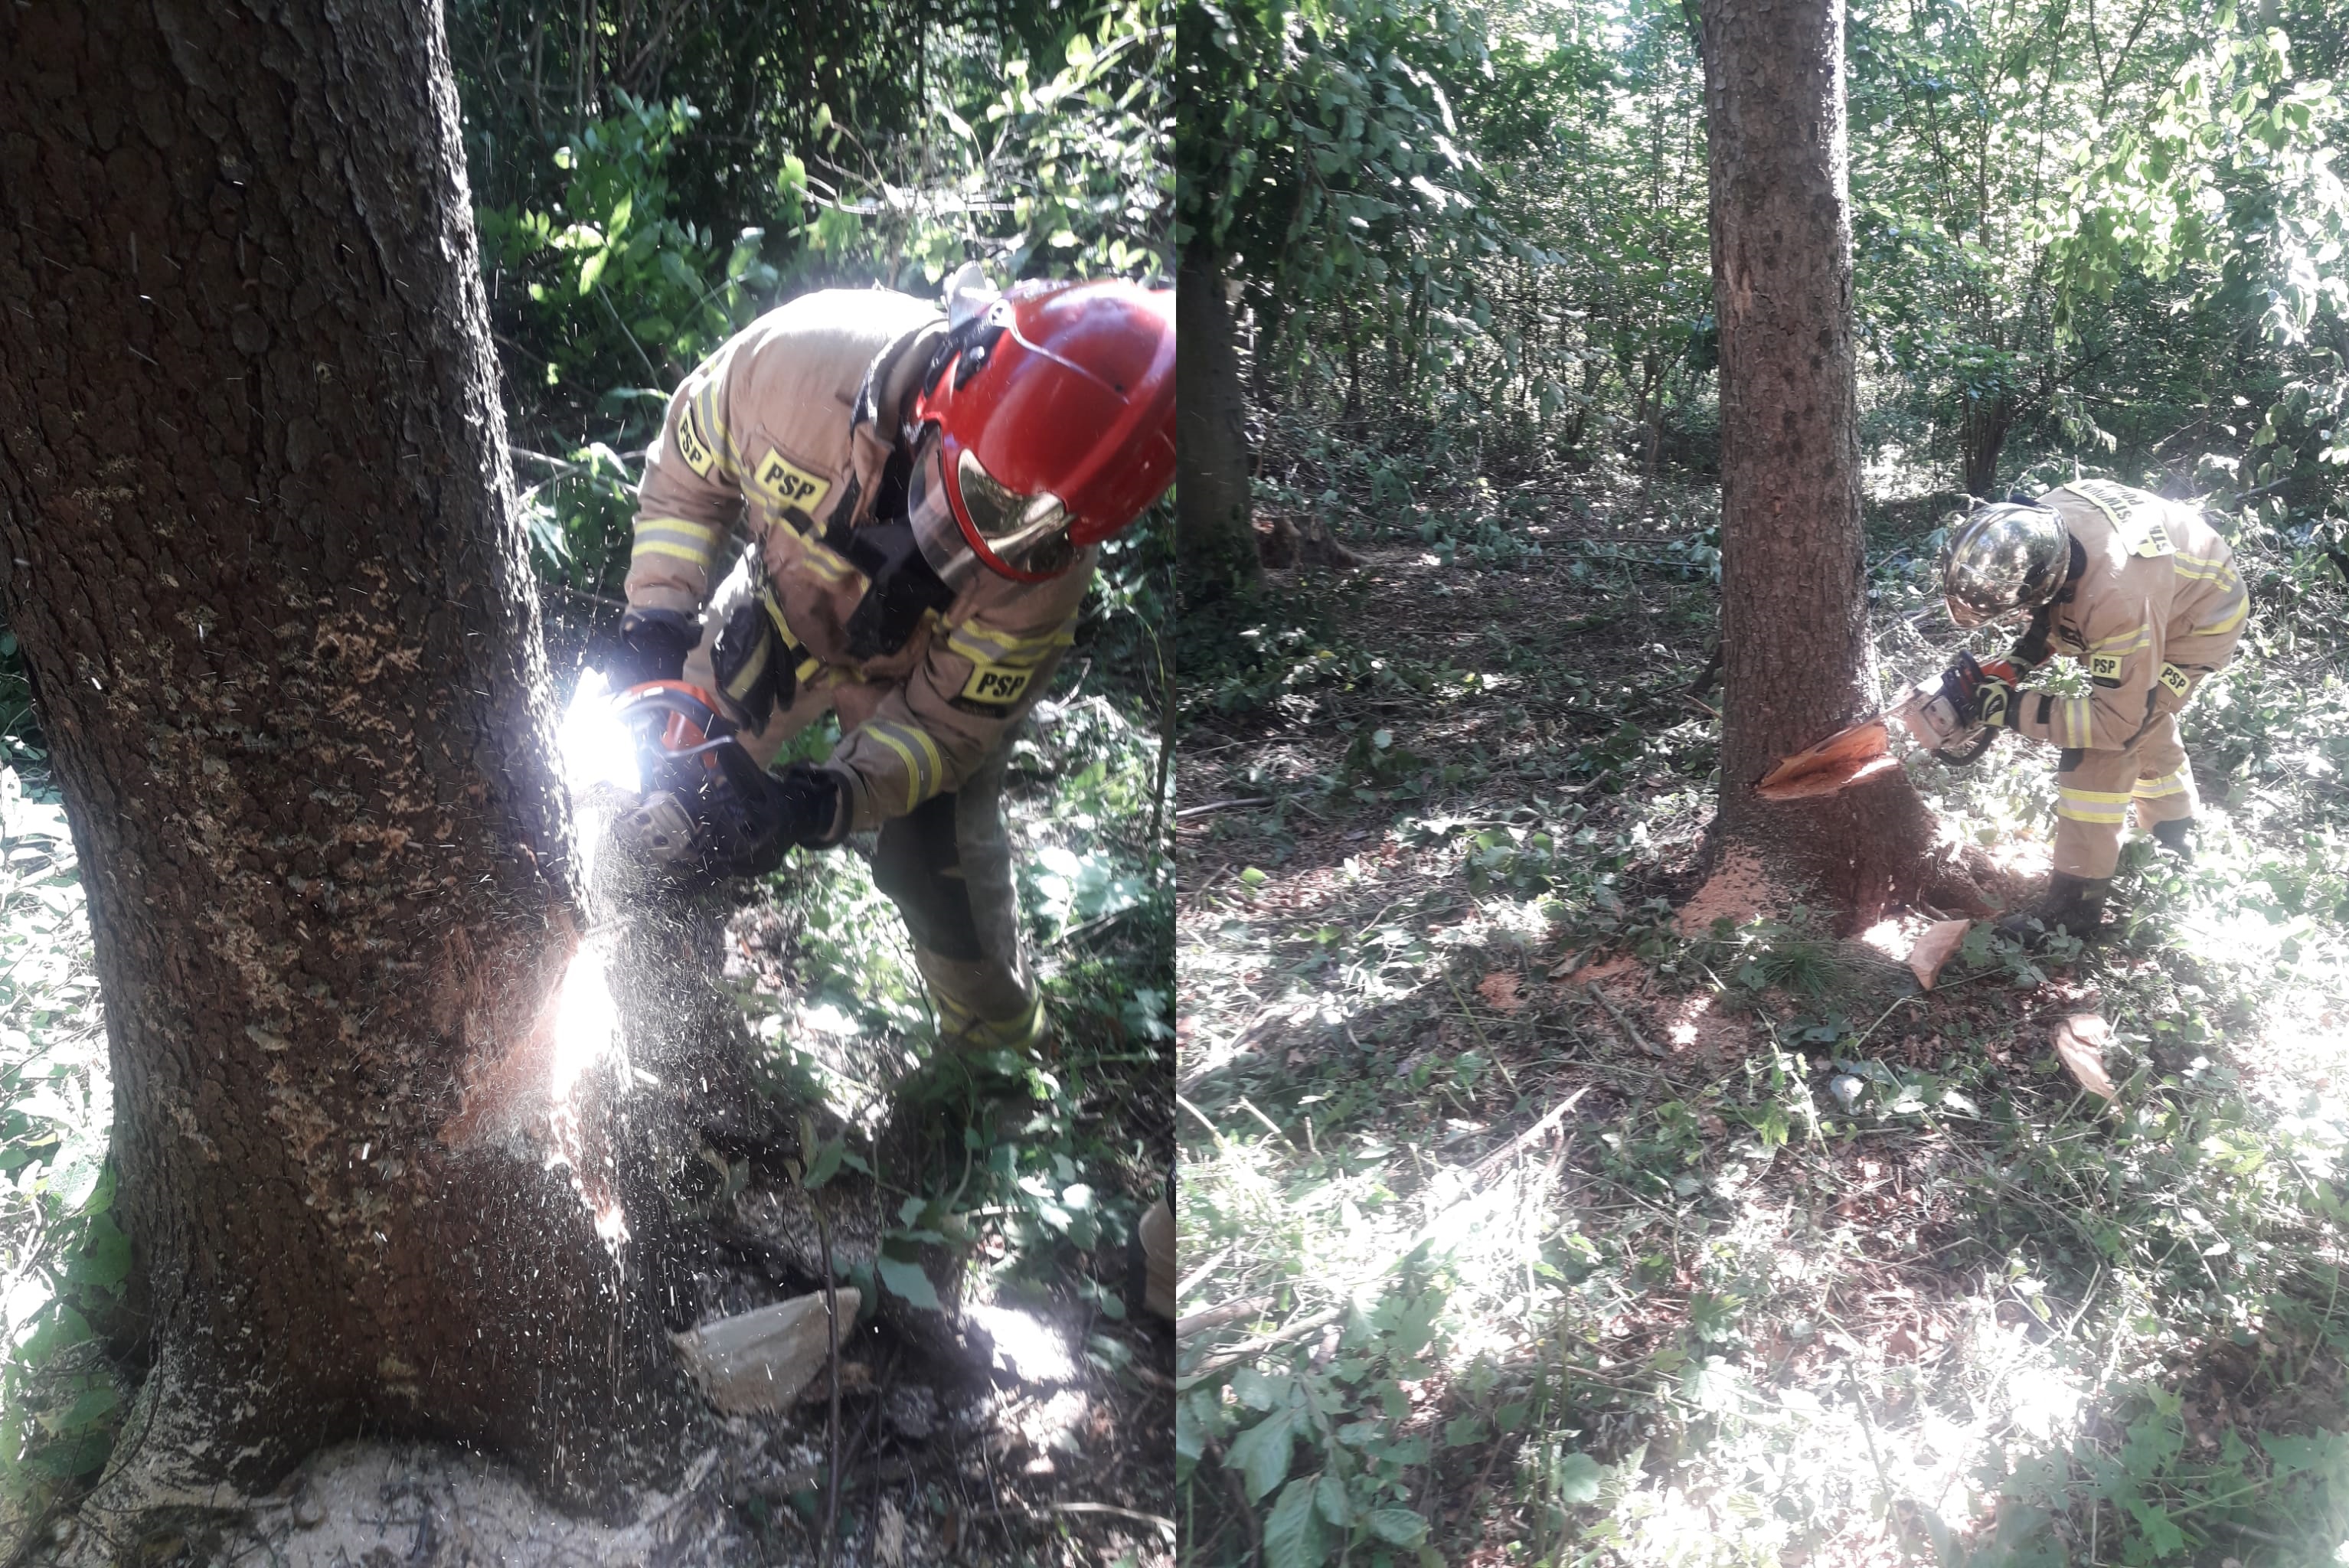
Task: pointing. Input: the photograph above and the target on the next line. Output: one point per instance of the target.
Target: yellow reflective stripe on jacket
(823, 562)
(2229, 621)
(2125, 643)
(2074, 724)
(2202, 568)
(674, 536)
(986, 645)
(739, 689)
(2154, 788)
(808, 664)
(924, 767)
(2092, 805)
(713, 430)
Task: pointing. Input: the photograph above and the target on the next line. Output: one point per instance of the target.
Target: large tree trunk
(1798, 659)
(260, 550)
(1214, 527)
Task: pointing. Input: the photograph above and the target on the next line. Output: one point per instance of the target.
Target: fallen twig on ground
(1616, 1013)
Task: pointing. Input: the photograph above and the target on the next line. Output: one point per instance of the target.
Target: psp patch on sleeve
(2105, 669)
(691, 446)
(2175, 680)
(994, 686)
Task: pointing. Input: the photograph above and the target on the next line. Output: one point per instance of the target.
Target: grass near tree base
(1751, 1255)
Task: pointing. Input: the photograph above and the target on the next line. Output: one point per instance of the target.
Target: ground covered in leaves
(1530, 1218)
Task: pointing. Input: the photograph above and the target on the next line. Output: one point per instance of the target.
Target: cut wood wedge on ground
(759, 1360)
(1936, 947)
(2080, 1040)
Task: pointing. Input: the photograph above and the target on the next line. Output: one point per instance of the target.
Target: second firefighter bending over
(923, 493)
(2143, 593)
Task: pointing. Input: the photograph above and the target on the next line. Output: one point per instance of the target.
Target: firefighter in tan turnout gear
(921, 493)
(2144, 594)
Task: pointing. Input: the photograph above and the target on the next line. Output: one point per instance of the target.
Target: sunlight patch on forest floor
(1750, 1251)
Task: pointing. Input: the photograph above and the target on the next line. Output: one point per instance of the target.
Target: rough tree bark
(1797, 660)
(1213, 528)
(260, 551)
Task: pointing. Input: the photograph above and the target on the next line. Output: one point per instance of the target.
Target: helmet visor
(1015, 535)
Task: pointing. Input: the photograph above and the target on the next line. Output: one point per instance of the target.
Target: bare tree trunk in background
(260, 550)
(1981, 435)
(1213, 528)
(1798, 660)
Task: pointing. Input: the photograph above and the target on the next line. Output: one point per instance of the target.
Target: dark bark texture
(1213, 526)
(1797, 661)
(259, 549)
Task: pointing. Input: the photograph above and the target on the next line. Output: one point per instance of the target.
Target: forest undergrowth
(1528, 1221)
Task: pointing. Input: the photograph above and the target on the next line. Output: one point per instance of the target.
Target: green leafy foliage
(66, 1262)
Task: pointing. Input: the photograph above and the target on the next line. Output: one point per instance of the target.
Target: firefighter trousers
(2095, 791)
(946, 865)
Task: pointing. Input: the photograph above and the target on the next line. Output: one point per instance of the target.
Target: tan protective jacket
(782, 433)
(2158, 606)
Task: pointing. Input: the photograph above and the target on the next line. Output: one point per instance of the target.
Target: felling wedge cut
(1855, 752)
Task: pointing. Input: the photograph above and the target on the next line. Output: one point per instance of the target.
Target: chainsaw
(1936, 711)
(1938, 714)
(698, 786)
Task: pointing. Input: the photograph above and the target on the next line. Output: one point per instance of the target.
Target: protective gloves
(1985, 691)
(1994, 703)
(810, 805)
(652, 647)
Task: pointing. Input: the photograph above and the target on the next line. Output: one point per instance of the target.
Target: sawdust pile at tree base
(1738, 890)
(382, 1502)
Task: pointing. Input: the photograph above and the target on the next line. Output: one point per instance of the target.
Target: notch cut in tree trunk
(1797, 661)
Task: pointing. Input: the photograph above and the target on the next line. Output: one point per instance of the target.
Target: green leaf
(1578, 1476)
(1330, 1497)
(1190, 1441)
(2162, 1535)
(1397, 1526)
(591, 271)
(105, 1258)
(1292, 1530)
(907, 1280)
(94, 1406)
(1261, 1453)
(824, 1167)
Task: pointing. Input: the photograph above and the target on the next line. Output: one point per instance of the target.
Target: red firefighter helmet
(1048, 425)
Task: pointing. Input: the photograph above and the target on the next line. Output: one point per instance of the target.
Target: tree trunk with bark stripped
(261, 553)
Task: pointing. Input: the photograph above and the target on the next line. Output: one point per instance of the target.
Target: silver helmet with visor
(2003, 558)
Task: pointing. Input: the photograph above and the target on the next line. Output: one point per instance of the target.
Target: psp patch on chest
(995, 685)
(2105, 669)
(787, 485)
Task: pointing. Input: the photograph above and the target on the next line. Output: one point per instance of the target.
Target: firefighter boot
(2174, 838)
(2073, 905)
(1153, 1276)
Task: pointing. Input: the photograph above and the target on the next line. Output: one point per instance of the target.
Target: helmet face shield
(1022, 537)
(2002, 559)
